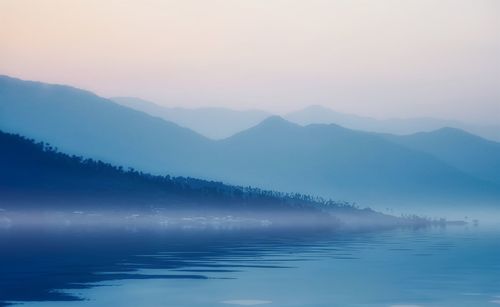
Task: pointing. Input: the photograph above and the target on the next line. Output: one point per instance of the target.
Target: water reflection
(405, 267)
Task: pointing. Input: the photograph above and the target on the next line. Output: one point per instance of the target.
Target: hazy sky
(384, 58)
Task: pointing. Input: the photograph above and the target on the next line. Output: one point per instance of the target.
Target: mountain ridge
(324, 160)
(399, 126)
(226, 125)
(36, 176)
(339, 145)
(212, 122)
(93, 126)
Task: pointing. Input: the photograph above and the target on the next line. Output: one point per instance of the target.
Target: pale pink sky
(384, 58)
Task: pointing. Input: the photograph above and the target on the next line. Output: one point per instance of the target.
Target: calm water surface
(453, 266)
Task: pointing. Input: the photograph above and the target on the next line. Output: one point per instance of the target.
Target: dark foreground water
(453, 266)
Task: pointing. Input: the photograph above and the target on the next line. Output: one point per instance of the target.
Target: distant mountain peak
(270, 127)
(212, 122)
(276, 121)
(127, 99)
(317, 107)
(457, 134)
(450, 132)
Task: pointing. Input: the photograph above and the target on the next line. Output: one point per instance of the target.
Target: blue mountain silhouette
(324, 160)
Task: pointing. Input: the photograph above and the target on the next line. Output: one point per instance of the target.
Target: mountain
(320, 115)
(80, 122)
(464, 151)
(214, 123)
(345, 164)
(36, 176)
(323, 160)
(35, 171)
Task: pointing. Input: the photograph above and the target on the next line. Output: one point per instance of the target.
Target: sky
(384, 58)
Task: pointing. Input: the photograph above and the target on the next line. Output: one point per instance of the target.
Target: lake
(71, 266)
